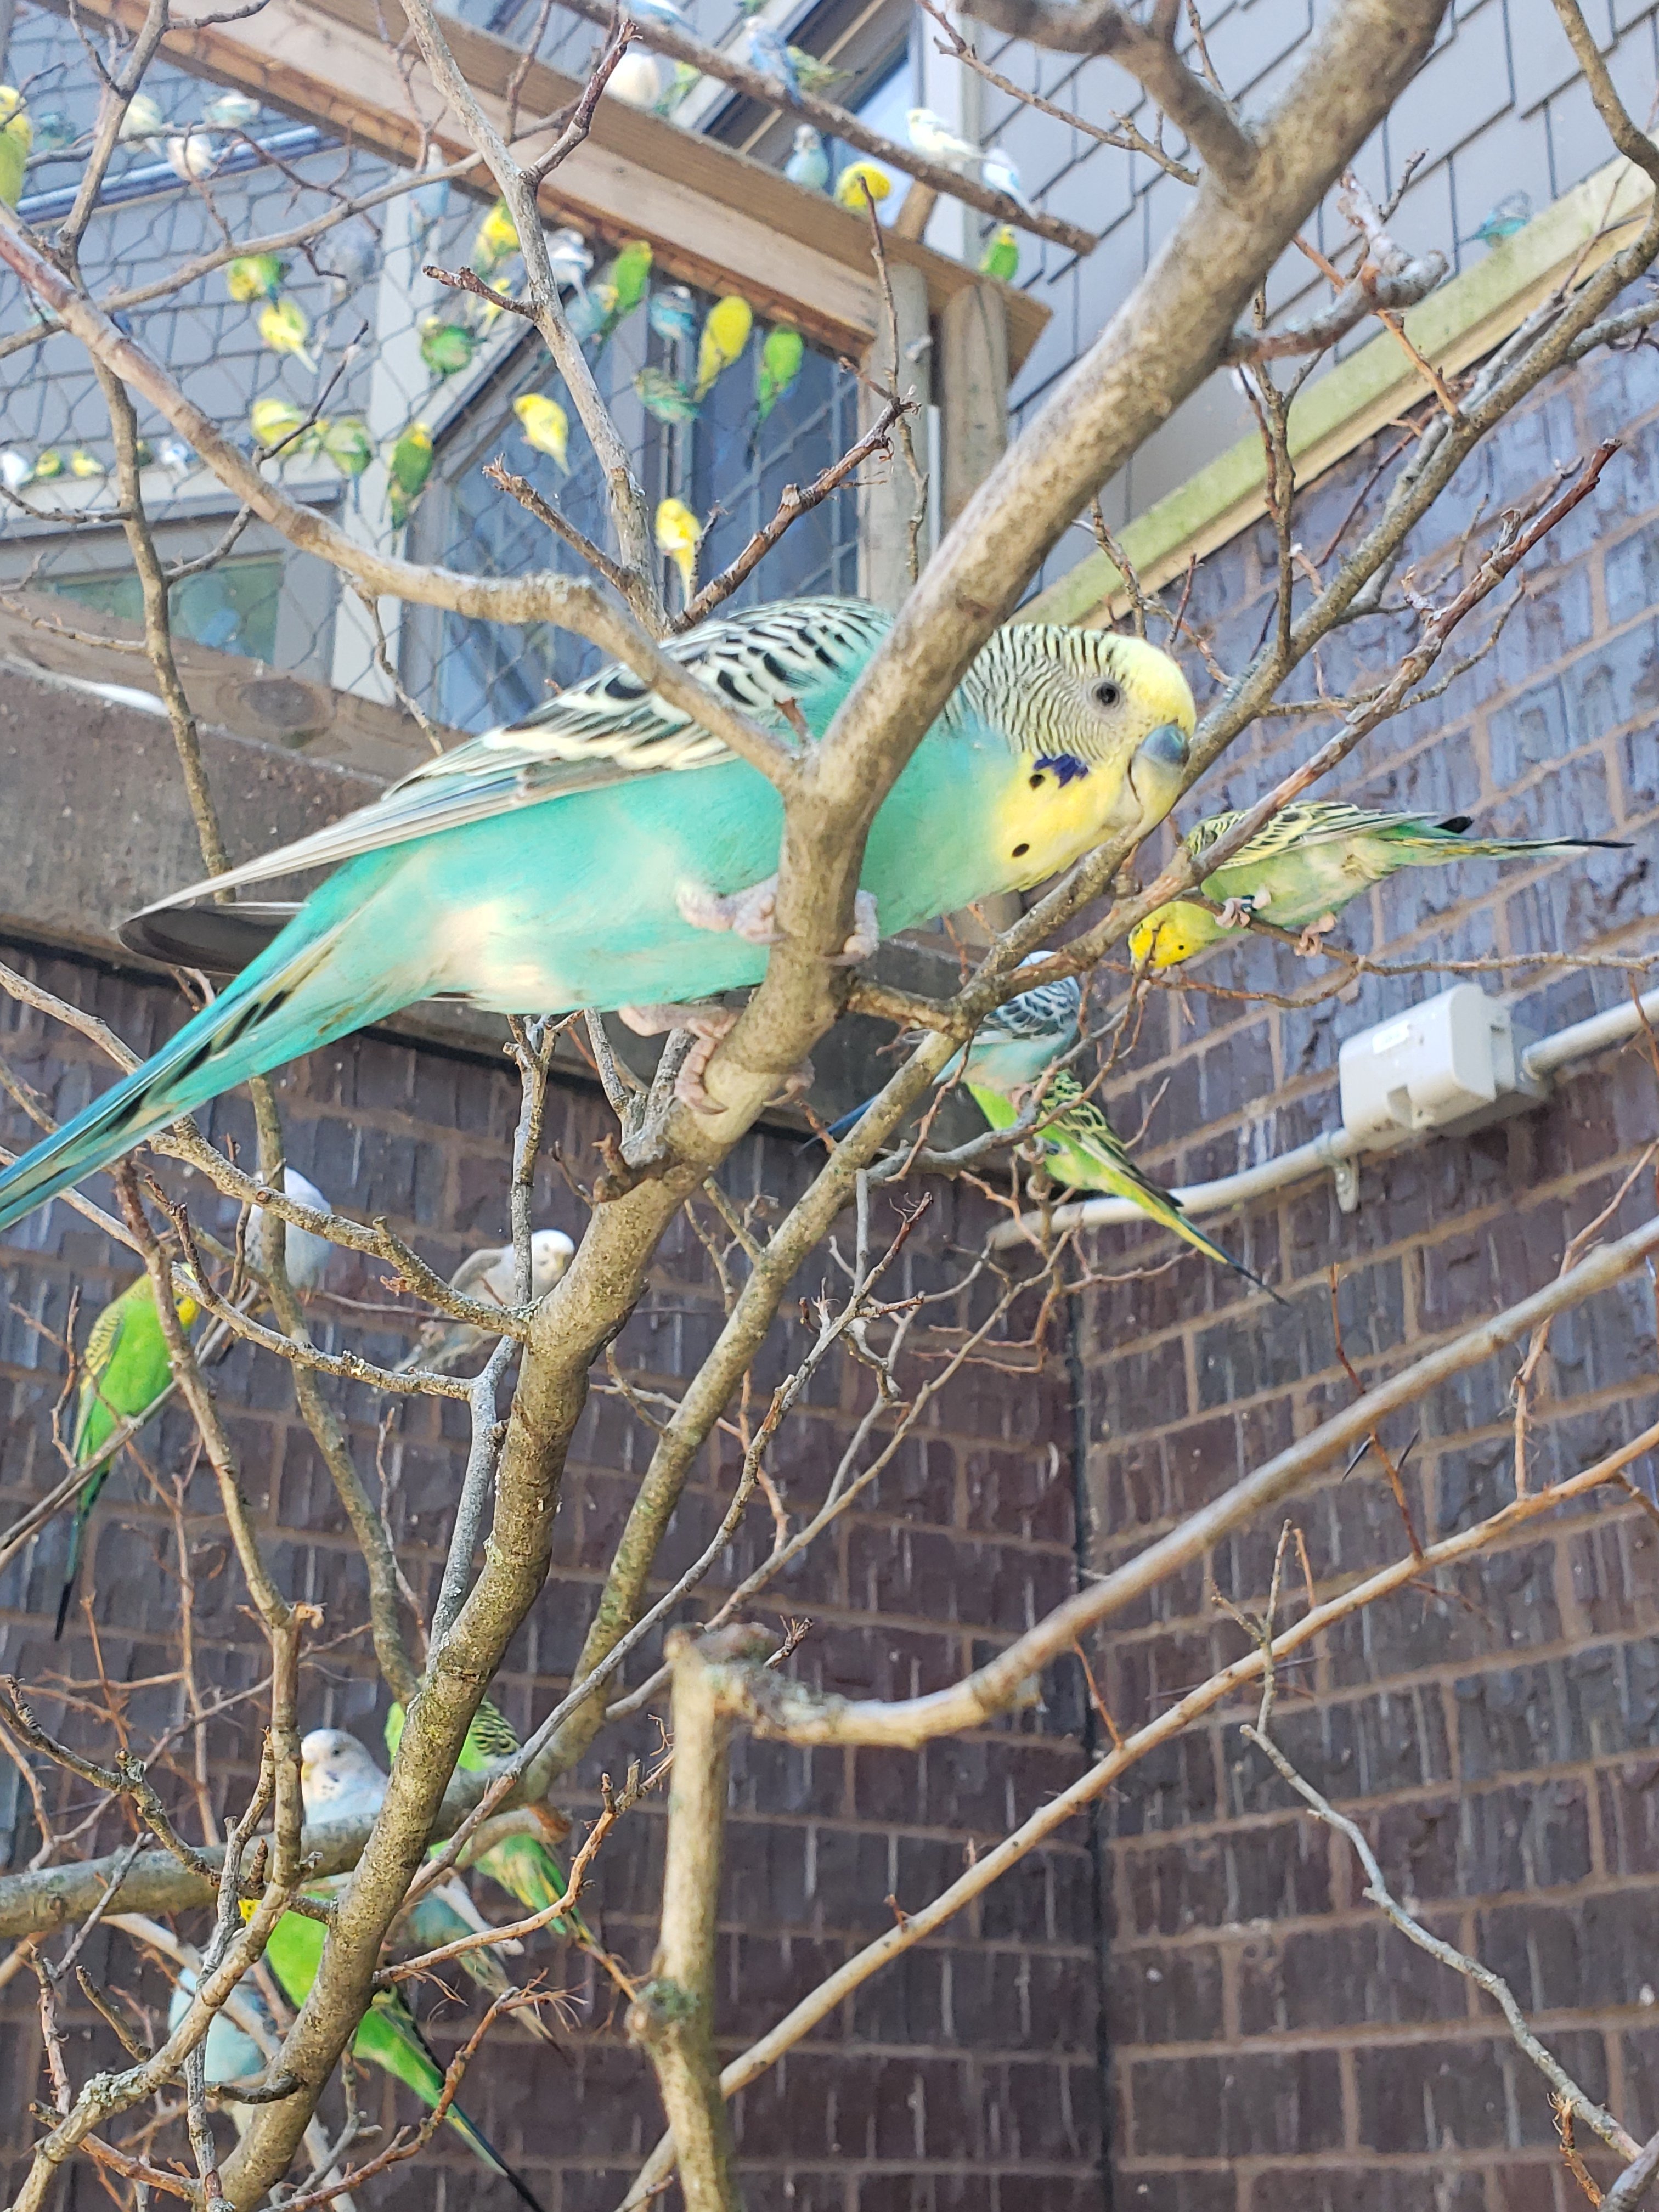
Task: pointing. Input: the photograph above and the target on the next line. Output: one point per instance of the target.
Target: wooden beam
(973, 393)
(715, 219)
(888, 494)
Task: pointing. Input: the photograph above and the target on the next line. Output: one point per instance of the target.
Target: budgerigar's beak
(1157, 768)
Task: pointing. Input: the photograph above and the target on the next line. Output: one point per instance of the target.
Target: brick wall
(1271, 2042)
(968, 2063)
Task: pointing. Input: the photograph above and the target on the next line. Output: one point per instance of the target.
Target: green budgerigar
(1310, 860)
(521, 1865)
(127, 1368)
(389, 2037)
(1014, 1049)
(609, 852)
(780, 360)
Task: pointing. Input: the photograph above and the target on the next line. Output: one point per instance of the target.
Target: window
(232, 608)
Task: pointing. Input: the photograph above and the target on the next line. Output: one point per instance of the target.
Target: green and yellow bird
(128, 1366)
(1310, 860)
(779, 366)
(408, 464)
(254, 277)
(521, 1865)
(389, 2037)
(610, 851)
(16, 142)
(1012, 1052)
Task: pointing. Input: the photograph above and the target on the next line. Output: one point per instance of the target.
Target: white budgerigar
(489, 1276)
(307, 1254)
(930, 134)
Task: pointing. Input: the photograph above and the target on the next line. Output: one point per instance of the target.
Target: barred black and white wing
(602, 731)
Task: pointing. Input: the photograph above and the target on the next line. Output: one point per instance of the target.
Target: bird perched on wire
(192, 155)
(1000, 258)
(673, 315)
(1303, 868)
(389, 2037)
(521, 1865)
(339, 1781)
(608, 852)
(16, 142)
(1512, 214)
(808, 166)
(127, 1366)
(769, 50)
(725, 334)
(930, 134)
(143, 119)
(570, 257)
(1004, 1070)
(254, 277)
(305, 1254)
(1000, 174)
(858, 180)
(545, 426)
(408, 466)
(231, 111)
(489, 1276)
(285, 328)
(678, 534)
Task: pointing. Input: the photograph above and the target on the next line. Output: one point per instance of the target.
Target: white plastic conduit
(1334, 1149)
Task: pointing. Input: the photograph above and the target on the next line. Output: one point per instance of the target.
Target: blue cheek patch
(1066, 766)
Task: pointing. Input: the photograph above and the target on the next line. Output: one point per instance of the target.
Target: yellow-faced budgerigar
(545, 426)
(388, 2036)
(254, 277)
(608, 852)
(284, 328)
(780, 360)
(1309, 862)
(1000, 258)
(275, 421)
(678, 534)
(16, 142)
(408, 466)
(725, 334)
(1014, 1049)
(128, 1366)
(521, 1865)
(348, 444)
(497, 240)
(86, 466)
(490, 1276)
(339, 1781)
(858, 180)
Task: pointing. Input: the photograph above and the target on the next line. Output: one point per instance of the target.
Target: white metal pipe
(1331, 1147)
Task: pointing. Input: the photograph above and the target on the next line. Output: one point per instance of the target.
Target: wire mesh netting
(386, 391)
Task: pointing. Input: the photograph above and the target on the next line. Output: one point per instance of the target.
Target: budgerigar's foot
(750, 914)
(867, 933)
(1309, 942)
(1235, 912)
(709, 1025)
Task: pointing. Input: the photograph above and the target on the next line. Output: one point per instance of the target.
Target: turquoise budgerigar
(521, 1865)
(1310, 860)
(389, 2037)
(609, 853)
(1012, 1050)
(339, 1780)
(128, 1366)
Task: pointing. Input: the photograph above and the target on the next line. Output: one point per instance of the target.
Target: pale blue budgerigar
(769, 51)
(1014, 1048)
(339, 1780)
(608, 852)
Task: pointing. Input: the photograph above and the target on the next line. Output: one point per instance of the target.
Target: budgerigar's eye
(1109, 693)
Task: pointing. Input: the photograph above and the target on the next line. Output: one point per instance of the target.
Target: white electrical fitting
(1439, 1067)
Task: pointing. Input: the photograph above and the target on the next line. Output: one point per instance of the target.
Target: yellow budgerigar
(857, 179)
(679, 534)
(497, 240)
(284, 328)
(16, 142)
(725, 334)
(545, 426)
